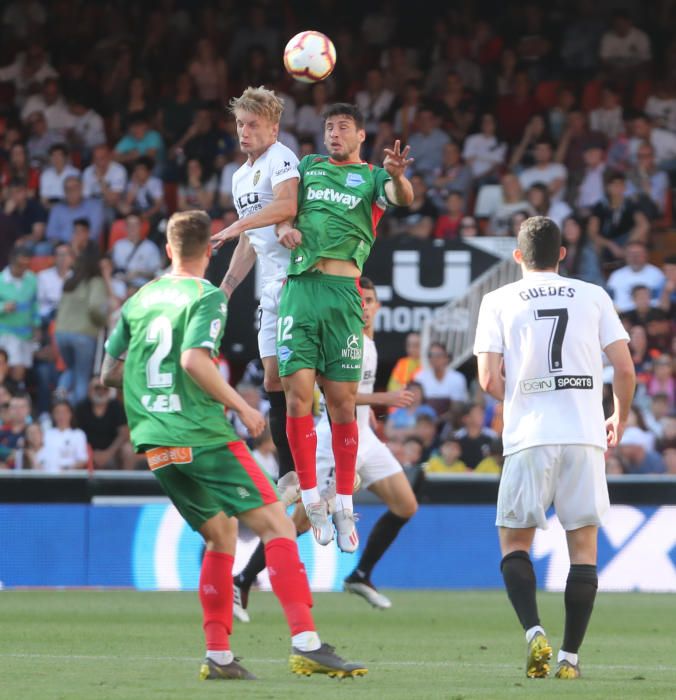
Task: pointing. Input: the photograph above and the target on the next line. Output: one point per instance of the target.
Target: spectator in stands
(104, 179)
(82, 313)
(87, 129)
(401, 422)
(407, 367)
(469, 228)
(17, 169)
(662, 141)
(63, 215)
(454, 60)
(144, 195)
(513, 200)
(661, 104)
(640, 352)
(426, 431)
(447, 225)
(40, 140)
(65, 447)
(209, 73)
(7, 388)
(310, 117)
(417, 219)
(616, 219)
(581, 260)
(134, 102)
(458, 107)
(576, 138)
(198, 190)
(34, 453)
(540, 203)
(478, 444)
(546, 171)
(101, 416)
(13, 433)
(53, 178)
(581, 36)
(19, 319)
(140, 140)
(590, 190)
(506, 71)
(447, 459)
(442, 385)
(177, 111)
(645, 180)
(237, 158)
(663, 382)
(51, 103)
(668, 296)
(653, 318)
(50, 282)
(558, 114)
(428, 142)
(374, 100)
(625, 50)
(608, 116)
(413, 451)
(203, 141)
(23, 210)
(637, 271)
(484, 153)
(29, 68)
(136, 260)
(636, 454)
(523, 155)
(407, 109)
(515, 109)
(453, 175)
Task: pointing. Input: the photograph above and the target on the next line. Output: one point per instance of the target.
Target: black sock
(517, 571)
(383, 534)
(277, 417)
(579, 599)
(253, 567)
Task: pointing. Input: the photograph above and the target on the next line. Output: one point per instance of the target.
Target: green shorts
(320, 326)
(203, 481)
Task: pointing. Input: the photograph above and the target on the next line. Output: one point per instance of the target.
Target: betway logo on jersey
(540, 384)
(330, 195)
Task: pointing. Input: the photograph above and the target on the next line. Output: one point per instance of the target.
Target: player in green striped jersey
(320, 322)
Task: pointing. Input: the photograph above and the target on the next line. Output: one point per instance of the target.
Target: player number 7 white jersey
(551, 332)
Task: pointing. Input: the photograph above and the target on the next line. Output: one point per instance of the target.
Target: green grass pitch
(72, 645)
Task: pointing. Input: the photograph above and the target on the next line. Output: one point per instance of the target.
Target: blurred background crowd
(114, 114)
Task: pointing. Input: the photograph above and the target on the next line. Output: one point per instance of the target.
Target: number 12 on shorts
(284, 326)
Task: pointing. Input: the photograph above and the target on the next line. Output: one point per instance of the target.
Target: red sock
(345, 440)
(289, 583)
(303, 444)
(216, 599)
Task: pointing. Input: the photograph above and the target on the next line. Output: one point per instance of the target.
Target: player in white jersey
(265, 192)
(377, 468)
(539, 344)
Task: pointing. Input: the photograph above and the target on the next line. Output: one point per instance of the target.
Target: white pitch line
(433, 664)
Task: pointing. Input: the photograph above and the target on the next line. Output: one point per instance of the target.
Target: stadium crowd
(113, 115)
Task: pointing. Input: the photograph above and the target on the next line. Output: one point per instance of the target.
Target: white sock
(306, 641)
(310, 496)
(531, 632)
(222, 658)
(344, 502)
(567, 656)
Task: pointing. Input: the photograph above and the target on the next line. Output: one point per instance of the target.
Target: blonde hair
(188, 233)
(259, 101)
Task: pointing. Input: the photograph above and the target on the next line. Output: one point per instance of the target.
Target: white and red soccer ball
(310, 56)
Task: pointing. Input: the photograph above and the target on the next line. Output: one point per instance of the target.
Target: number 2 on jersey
(160, 332)
(560, 317)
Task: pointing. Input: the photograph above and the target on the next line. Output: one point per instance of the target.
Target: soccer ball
(310, 57)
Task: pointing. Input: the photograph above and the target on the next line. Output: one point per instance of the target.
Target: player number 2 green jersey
(339, 207)
(164, 406)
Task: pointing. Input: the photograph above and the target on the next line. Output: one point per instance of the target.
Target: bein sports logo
(635, 550)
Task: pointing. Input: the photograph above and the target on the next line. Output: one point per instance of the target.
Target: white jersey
(252, 187)
(369, 367)
(551, 331)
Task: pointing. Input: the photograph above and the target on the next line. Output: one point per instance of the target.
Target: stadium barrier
(117, 530)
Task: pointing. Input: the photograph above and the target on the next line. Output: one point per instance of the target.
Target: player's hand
(614, 430)
(253, 421)
(229, 233)
(290, 238)
(399, 399)
(396, 161)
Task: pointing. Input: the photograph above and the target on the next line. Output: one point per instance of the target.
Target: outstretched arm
(398, 190)
(243, 259)
(397, 399)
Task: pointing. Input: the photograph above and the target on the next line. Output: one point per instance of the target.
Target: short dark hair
(539, 241)
(638, 288)
(145, 161)
(367, 283)
(82, 222)
(613, 176)
(58, 147)
(20, 251)
(345, 109)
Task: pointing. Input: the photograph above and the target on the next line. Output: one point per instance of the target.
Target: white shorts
(19, 352)
(572, 477)
(374, 461)
(267, 316)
